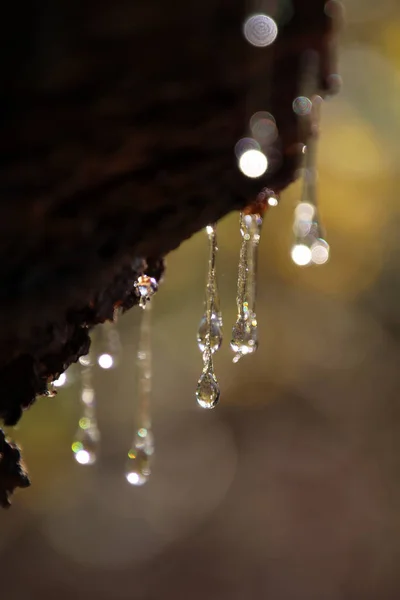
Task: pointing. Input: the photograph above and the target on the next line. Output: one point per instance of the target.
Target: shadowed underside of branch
(118, 127)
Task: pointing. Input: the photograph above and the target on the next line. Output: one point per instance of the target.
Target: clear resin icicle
(310, 246)
(244, 333)
(87, 438)
(209, 336)
(212, 295)
(138, 467)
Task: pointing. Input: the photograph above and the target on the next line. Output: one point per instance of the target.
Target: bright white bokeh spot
(320, 252)
(253, 163)
(105, 361)
(260, 30)
(273, 201)
(209, 229)
(82, 457)
(134, 479)
(301, 255)
(60, 381)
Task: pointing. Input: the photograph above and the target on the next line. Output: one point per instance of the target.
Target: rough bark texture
(118, 126)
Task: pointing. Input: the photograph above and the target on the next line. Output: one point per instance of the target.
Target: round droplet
(215, 333)
(146, 287)
(85, 445)
(244, 337)
(260, 30)
(207, 391)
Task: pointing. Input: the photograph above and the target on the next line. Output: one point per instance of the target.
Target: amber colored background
(290, 489)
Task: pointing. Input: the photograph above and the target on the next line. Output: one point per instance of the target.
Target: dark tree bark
(118, 126)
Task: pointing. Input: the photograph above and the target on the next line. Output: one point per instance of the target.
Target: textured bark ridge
(118, 126)
(12, 471)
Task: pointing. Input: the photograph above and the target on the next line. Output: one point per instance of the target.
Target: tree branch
(118, 127)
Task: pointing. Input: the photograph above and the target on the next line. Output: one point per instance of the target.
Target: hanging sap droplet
(146, 287)
(138, 468)
(207, 391)
(310, 247)
(86, 442)
(244, 336)
(215, 333)
(209, 334)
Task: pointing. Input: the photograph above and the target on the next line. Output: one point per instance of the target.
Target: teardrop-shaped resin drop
(207, 391)
(138, 466)
(215, 333)
(244, 337)
(86, 442)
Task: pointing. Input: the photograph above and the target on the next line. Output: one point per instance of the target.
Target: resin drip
(244, 333)
(310, 246)
(138, 467)
(87, 438)
(209, 337)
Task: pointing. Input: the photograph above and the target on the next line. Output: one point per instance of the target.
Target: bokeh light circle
(253, 163)
(260, 30)
(263, 127)
(302, 106)
(301, 255)
(245, 144)
(105, 361)
(320, 252)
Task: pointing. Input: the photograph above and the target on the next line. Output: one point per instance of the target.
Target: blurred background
(290, 488)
